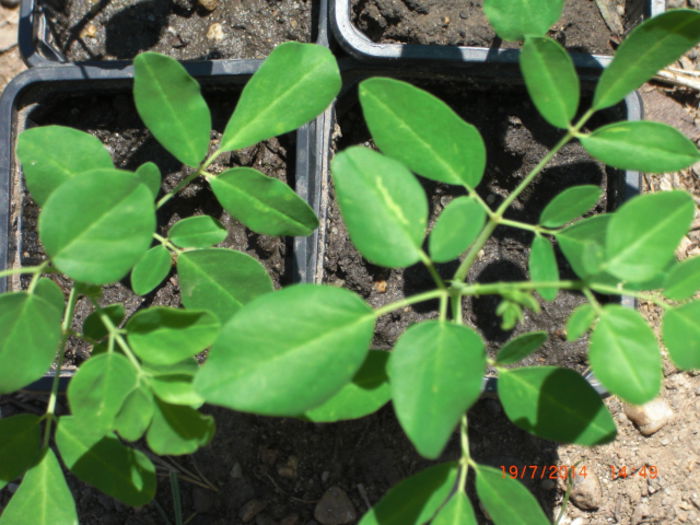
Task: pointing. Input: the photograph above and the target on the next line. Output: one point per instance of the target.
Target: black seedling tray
(37, 45)
(26, 92)
(359, 46)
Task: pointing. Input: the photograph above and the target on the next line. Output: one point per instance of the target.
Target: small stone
(587, 493)
(215, 32)
(335, 508)
(380, 286)
(251, 509)
(289, 469)
(236, 471)
(649, 417)
(209, 5)
(89, 31)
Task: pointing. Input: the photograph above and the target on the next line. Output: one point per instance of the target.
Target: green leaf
(178, 430)
(456, 228)
(556, 404)
(149, 175)
(171, 105)
(150, 270)
(457, 511)
(435, 371)
(570, 204)
(645, 231)
(43, 497)
(288, 351)
(20, 445)
(651, 46)
(94, 328)
(135, 415)
(580, 321)
(220, 280)
(50, 291)
(583, 244)
(264, 204)
(520, 347)
(201, 231)
(551, 80)
(30, 333)
(97, 225)
(543, 266)
(367, 392)
(683, 280)
(98, 390)
(51, 155)
(624, 355)
(295, 83)
(383, 206)
(515, 19)
(420, 130)
(507, 500)
(416, 499)
(173, 383)
(117, 470)
(165, 336)
(681, 335)
(641, 145)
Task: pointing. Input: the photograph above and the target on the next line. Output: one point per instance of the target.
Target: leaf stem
(466, 458)
(115, 333)
(474, 250)
(499, 287)
(37, 275)
(591, 299)
(168, 245)
(525, 226)
(184, 182)
(419, 298)
(25, 269)
(644, 296)
(432, 270)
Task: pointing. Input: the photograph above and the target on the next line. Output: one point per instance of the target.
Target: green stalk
(497, 288)
(419, 298)
(19, 271)
(466, 457)
(184, 182)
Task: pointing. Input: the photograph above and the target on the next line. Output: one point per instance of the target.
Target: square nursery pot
(456, 30)
(111, 32)
(99, 101)
(516, 139)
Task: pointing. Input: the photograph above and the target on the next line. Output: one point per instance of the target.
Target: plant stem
(184, 182)
(25, 269)
(165, 242)
(37, 276)
(499, 287)
(419, 298)
(432, 270)
(644, 296)
(474, 250)
(464, 440)
(65, 330)
(118, 338)
(525, 226)
(591, 299)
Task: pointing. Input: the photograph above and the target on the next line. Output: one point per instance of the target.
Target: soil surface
(463, 23)
(183, 29)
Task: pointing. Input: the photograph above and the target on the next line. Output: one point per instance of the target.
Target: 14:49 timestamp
(623, 471)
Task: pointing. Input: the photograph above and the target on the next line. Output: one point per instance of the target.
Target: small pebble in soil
(89, 31)
(236, 471)
(209, 5)
(587, 493)
(335, 508)
(215, 32)
(251, 509)
(650, 417)
(289, 469)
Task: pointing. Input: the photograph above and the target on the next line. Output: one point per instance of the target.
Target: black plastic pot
(358, 45)
(38, 46)
(24, 96)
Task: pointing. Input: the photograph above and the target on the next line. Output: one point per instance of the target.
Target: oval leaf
(264, 204)
(201, 231)
(436, 371)
(580, 321)
(171, 105)
(569, 204)
(383, 206)
(457, 511)
(220, 280)
(97, 225)
(520, 347)
(20, 445)
(681, 335)
(50, 291)
(94, 328)
(295, 83)
(51, 155)
(367, 392)
(165, 336)
(149, 175)
(624, 355)
(551, 80)
(543, 266)
(507, 500)
(135, 415)
(456, 228)
(514, 19)
(414, 500)
(556, 404)
(150, 270)
(178, 430)
(583, 244)
(644, 232)
(316, 344)
(32, 324)
(420, 130)
(651, 46)
(683, 280)
(641, 145)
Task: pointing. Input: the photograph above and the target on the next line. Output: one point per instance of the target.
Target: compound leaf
(457, 511)
(683, 280)
(543, 266)
(94, 328)
(178, 430)
(569, 204)
(201, 231)
(264, 204)
(420, 130)
(514, 19)
(435, 371)
(383, 206)
(681, 335)
(624, 355)
(150, 270)
(170, 103)
(20, 445)
(456, 228)
(583, 244)
(580, 321)
(149, 175)
(507, 500)
(520, 347)
(288, 351)
(135, 415)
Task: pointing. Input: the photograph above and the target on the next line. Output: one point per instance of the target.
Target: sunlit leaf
(681, 335)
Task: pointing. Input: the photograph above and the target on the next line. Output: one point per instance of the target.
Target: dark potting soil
(183, 29)
(463, 23)
(516, 139)
(112, 118)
